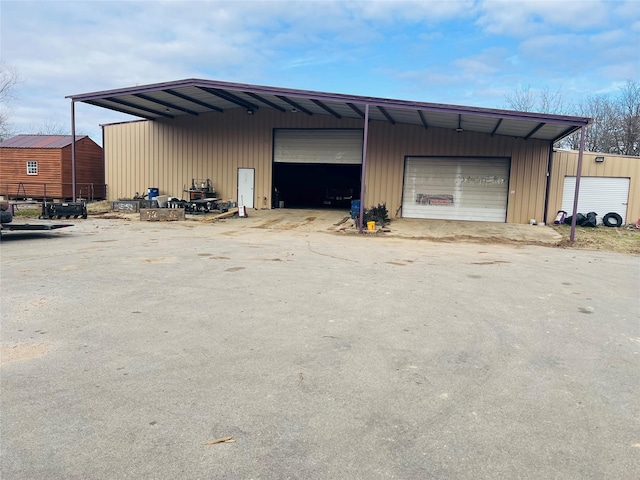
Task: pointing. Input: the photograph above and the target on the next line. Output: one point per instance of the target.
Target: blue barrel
(152, 192)
(355, 209)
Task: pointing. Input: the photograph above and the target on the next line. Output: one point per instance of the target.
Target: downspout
(73, 150)
(546, 193)
(364, 166)
(572, 236)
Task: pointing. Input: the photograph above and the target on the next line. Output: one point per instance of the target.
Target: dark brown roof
(39, 141)
(193, 97)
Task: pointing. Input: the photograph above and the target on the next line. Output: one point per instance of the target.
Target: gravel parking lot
(127, 346)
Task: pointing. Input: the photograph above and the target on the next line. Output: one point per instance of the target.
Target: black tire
(5, 216)
(612, 219)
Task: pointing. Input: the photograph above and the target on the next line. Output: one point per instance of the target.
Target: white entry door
(246, 179)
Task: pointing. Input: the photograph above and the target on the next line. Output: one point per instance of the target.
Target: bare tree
(598, 136)
(550, 102)
(542, 101)
(49, 127)
(616, 120)
(522, 100)
(9, 78)
(627, 133)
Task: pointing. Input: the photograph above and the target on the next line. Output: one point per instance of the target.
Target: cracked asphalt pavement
(127, 346)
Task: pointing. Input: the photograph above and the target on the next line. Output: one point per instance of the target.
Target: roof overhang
(195, 97)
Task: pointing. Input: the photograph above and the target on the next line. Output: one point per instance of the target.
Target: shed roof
(194, 97)
(39, 141)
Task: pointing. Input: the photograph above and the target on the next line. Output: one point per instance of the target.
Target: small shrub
(378, 214)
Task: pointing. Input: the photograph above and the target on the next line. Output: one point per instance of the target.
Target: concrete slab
(435, 230)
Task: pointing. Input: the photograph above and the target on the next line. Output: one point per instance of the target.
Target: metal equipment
(201, 189)
(67, 210)
(202, 205)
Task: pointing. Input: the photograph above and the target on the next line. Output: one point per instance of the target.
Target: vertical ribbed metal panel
(168, 154)
(456, 188)
(565, 164)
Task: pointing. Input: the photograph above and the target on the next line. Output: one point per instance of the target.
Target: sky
(470, 53)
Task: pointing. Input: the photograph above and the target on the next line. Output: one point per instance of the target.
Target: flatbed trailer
(7, 224)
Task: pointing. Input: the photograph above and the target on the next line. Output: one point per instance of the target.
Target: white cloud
(528, 17)
(433, 51)
(487, 62)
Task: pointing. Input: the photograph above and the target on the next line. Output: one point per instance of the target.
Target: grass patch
(27, 211)
(624, 239)
(102, 206)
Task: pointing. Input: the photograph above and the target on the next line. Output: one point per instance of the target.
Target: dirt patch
(269, 223)
(620, 240)
(112, 216)
(25, 351)
(493, 262)
(234, 269)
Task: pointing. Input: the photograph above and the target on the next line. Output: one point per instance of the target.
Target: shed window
(32, 168)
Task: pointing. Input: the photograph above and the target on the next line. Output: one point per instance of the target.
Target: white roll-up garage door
(343, 146)
(456, 188)
(597, 194)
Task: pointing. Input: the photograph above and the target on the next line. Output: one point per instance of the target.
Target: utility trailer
(6, 221)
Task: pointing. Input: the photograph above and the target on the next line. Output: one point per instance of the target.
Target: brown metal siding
(168, 154)
(565, 163)
(13, 170)
(89, 170)
(54, 170)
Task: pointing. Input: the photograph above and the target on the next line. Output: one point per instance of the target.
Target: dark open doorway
(314, 185)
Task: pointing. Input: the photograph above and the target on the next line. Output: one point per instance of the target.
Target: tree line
(616, 117)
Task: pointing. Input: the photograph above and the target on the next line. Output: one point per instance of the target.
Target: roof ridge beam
(386, 114)
(116, 109)
(567, 132)
(355, 109)
(496, 127)
(265, 101)
(423, 120)
(193, 100)
(324, 107)
(295, 105)
(230, 98)
(538, 127)
(138, 107)
(165, 104)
